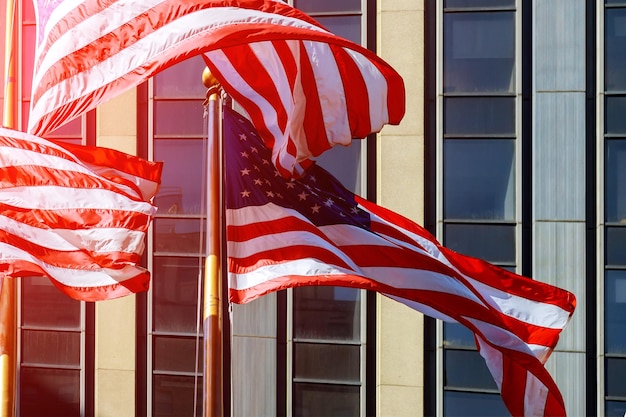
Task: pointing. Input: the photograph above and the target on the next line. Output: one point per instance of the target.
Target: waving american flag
(312, 231)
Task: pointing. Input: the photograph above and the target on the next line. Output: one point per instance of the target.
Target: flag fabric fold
(77, 215)
(304, 88)
(284, 233)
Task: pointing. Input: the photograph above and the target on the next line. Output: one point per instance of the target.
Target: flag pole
(8, 307)
(213, 380)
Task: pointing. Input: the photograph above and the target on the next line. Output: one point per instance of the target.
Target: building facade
(512, 149)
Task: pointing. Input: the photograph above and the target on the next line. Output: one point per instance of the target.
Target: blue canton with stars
(252, 180)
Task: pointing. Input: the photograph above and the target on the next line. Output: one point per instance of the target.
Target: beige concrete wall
(115, 319)
(400, 183)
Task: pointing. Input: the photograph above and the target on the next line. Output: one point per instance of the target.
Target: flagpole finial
(208, 79)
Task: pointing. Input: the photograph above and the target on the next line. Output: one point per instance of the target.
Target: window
(480, 150)
(614, 208)
(174, 346)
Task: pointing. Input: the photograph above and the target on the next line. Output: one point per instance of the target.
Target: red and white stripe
(81, 224)
(304, 88)
(516, 320)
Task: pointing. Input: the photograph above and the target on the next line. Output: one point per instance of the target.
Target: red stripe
(356, 94)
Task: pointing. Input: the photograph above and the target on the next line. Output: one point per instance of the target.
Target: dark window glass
(493, 243)
(479, 116)
(479, 179)
(615, 408)
(319, 361)
(479, 52)
(183, 80)
(327, 313)
(28, 44)
(615, 244)
(325, 6)
(41, 347)
(615, 371)
(49, 392)
(178, 117)
(181, 182)
(344, 26)
(466, 369)
(326, 400)
(478, 3)
(174, 396)
(457, 335)
(615, 313)
(472, 404)
(615, 50)
(44, 306)
(615, 178)
(175, 294)
(178, 354)
(180, 236)
(615, 122)
(345, 164)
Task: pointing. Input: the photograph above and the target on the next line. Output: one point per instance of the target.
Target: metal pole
(213, 381)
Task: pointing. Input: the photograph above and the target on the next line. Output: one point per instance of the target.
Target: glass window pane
(615, 122)
(175, 294)
(615, 371)
(466, 369)
(177, 354)
(327, 313)
(470, 404)
(43, 305)
(49, 392)
(28, 58)
(615, 177)
(178, 117)
(615, 50)
(615, 312)
(184, 80)
(344, 162)
(50, 348)
(313, 6)
(615, 244)
(457, 335)
(326, 400)
(348, 27)
(317, 361)
(179, 236)
(478, 3)
(181, 188)
(174, 396)
(479, 52)
(72, 129)
(615, 408)
(493, 243)
(479, 179)
(479, 116)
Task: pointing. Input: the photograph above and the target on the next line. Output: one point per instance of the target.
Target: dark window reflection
(344, 26)
(479, 52)
(312, 400)
(615, 312)
(478, 3)
(179, 117)
(615, 244)
(174, 396)
(175, 294)
(181, 80)
(181, 182)
(479, 179)
(615, 49)
(615, 371)
(466, 369)
(313, 6)
(492, 243)
(43, 305)
(180, 236)
(615, 122)
(615, 177)
(470, 404)
(319, 361)
(457, 335)
(479, 116)
(327, 313)
(49, 392)
(615, 408)
(177, 354)
(51, 347)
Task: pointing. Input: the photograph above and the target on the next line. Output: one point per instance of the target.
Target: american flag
(284, 233)
(305, 88)
(79, 217)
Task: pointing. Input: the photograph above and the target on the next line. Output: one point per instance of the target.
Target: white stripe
(493, 359)
(535, 396)
(71, 277)
(56, 198)
(100, 240)
(331, 92)
(502, 337)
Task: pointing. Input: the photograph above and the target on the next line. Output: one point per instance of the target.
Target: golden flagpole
(213, 380)
(8, 307)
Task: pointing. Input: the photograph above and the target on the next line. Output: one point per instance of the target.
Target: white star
(316, 208)
(303, 196)
(269, 193)
(245, 171)
(245, 194)
(242, 136)
(329, 202)
(244, 154)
